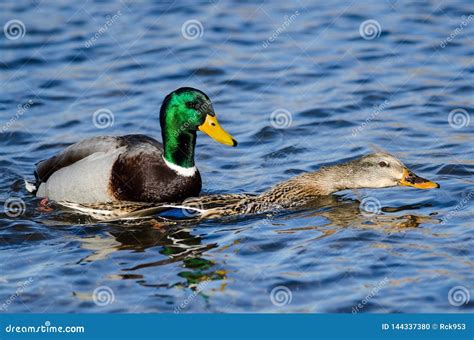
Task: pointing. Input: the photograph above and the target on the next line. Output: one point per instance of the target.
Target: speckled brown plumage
(289, 194)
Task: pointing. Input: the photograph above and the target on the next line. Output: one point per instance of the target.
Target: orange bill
(212, 128)
(409, 179)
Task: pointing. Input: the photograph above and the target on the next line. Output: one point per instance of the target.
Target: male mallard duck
(378, 170)
(135, 168)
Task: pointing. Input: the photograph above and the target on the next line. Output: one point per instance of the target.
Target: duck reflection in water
(179, 243)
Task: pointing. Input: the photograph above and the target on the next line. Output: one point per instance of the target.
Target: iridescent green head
(183, 112)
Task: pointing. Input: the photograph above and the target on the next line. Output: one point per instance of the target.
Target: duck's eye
(191, 105)
(383, 164)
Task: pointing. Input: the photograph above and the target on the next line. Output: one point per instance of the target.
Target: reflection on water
(179, 244)
(309, 93)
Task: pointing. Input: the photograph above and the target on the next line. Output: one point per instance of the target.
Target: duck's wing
(74, 153)
(215, 201)
(84, 172)
(81, 172)
(118, 210)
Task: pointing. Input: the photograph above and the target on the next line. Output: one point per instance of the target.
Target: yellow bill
(212, 128)
(409, 179)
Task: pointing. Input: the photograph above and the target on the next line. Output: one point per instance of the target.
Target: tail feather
(30, 187)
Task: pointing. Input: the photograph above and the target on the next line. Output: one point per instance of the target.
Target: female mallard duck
(135, 168)
(378, 170)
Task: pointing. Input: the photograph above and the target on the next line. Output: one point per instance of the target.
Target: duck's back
(109, 168)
